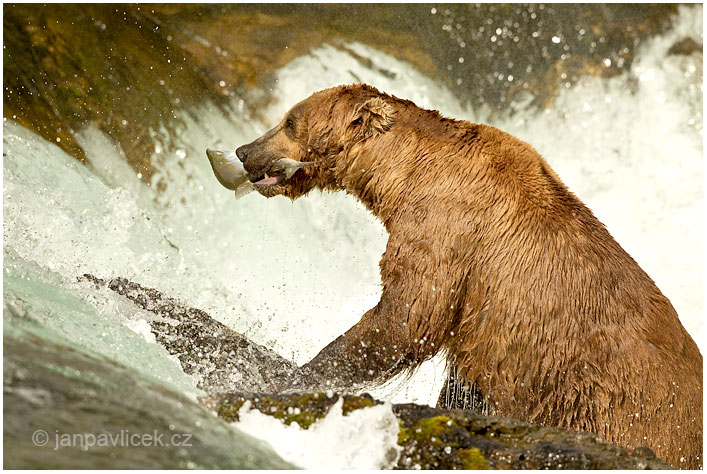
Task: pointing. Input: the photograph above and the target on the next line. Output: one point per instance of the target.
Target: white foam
(141, 327)
(381, 70)
(364, 439)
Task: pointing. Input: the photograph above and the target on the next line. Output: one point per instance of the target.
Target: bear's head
(322, 129)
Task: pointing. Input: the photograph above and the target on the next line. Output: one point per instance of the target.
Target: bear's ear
(372, 117)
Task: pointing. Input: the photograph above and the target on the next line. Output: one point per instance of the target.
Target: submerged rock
(68, 408)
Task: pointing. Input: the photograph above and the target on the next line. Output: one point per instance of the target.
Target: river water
(293, 276)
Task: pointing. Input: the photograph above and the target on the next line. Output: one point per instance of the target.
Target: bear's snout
(256, 158)
(241, 153)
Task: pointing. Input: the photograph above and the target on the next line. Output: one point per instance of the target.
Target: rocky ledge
(453, 439)
(229, 367)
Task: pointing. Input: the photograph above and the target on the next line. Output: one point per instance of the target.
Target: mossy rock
(456, 439)
(303, 409)
(425, 429)
(435, 442)
(472, 459)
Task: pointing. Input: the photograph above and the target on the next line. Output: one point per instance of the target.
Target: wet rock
(303, 409)
(450, 439)
(218, 357)
(67, 408)
(146, 64)
(453, 439)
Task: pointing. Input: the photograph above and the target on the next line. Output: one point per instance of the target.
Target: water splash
(293, 276)
(363, 439)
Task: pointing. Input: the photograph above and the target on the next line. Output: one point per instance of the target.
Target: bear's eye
(357, 121)
(290, 124)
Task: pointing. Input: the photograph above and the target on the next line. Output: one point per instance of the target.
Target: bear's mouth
(268, 183)
(267, 180)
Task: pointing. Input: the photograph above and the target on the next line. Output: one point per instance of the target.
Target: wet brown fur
(492, 260)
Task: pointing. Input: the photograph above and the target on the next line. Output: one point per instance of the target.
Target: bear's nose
(241, 153)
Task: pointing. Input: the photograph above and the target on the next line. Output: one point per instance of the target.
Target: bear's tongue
(270, 180)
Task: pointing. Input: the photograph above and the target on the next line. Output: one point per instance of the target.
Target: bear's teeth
(266, 176)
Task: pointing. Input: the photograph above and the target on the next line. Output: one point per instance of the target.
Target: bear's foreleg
(415, 315)
(371, 351)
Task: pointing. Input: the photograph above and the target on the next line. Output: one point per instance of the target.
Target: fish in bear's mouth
(231, 173)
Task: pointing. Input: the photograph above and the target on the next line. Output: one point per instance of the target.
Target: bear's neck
(399, 180)
(369, 180)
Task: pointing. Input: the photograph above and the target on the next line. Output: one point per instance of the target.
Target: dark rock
(510, 444)
(218, 357)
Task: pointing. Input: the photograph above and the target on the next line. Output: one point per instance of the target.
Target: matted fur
(491, 259)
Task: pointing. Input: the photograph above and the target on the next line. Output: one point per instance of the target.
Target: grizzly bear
(492, 261)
